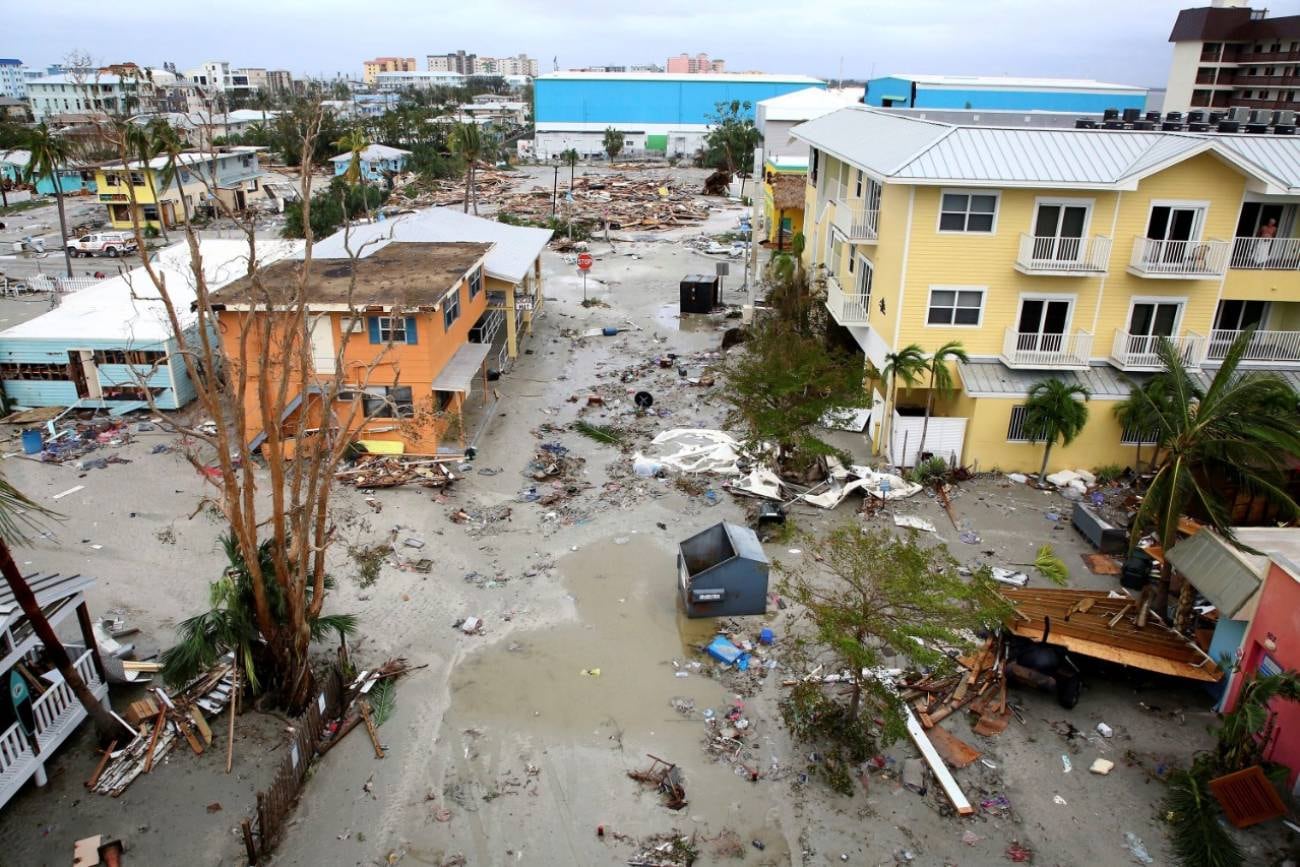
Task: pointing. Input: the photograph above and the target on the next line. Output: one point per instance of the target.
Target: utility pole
(555, 188)
(751, 260)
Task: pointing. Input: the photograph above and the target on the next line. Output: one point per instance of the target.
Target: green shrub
(933, 470)
(1108, 473)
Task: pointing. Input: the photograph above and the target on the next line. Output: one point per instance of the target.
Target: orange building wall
(398, 364)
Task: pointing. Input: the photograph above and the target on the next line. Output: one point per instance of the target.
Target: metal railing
(1142, 351)
(1040, 349)
(1048, 254)
(1271, 346)
(848, 308)
(1266, 254)
(1152, 257)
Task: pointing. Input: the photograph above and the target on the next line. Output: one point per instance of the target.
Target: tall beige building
(386, 64)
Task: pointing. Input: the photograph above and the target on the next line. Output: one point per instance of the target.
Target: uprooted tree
(879, 601)
(781, 388)
(251, 363)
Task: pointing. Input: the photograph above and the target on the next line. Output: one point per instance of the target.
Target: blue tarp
(727, 653)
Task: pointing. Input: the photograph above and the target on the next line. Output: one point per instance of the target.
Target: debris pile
(666, 777)
(367, 699)
(375, 471)
(489, 186)
(625, 201)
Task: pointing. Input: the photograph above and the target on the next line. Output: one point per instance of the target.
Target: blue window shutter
(411, 337)
(373, 323)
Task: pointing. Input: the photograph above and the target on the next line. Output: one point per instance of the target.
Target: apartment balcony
(859, 223)
(1141, 352)
(1265, 347)
(1179, 260)
(1265, 254)
(57, 713)
(1042, 351)
(1062, 257)
(847, 308)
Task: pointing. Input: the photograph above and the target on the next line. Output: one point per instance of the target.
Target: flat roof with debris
(399, 276)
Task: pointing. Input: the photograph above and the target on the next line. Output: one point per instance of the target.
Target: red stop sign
(584, 261)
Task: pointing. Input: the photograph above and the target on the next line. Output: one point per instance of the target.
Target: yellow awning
(383, 447)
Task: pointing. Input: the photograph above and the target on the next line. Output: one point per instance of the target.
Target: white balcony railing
(1266, 254)
(1040, 350)
(1142, 351)
(848, 308)
(1179, 259)
(58, 710)
(852, 216)
(1267, 346)
(1049, 254)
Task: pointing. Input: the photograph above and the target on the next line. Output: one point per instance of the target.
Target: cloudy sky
(1114, 40)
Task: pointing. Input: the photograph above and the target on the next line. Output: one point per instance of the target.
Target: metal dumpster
(722, 572)
(699, 293)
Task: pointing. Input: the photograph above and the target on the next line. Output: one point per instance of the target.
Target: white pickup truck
(111, 244)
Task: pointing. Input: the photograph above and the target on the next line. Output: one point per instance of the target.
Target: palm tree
(355, 143)
(1239, 429)
(17, 510)
(140, 144)
(1135, 413)
(169, 145)
(1055, 410)
(50, 152)
(940, 380)
(466, 141)
(908, 363)
(570, 159)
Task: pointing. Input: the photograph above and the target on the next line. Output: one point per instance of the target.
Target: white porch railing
(847, 308)
(1049, 254)
(1191, 259)
(1142, 351)
(1270, 346)
(14, 748)
(58, 710)
(1037, 349)
(1266, 254)
(852, 216)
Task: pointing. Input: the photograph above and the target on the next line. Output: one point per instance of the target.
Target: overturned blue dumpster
(722, 572)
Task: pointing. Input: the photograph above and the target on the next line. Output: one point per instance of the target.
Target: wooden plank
(159, 722)
(937, 767)
(99, 768)
(954, 750)
(370, 727)
(202, 725)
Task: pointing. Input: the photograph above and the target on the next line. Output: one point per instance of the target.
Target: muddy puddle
(534, 731)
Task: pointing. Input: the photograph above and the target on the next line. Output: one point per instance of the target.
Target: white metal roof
(128, 307)
(702, 77)
(906, 149)
(16, 157)
(514, 249)
(374, 152)
(1008, 82)
(805, 104)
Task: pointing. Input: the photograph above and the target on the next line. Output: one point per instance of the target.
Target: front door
(322, 345)
(1058, 232)
(1042, 324)
(1149, 323)
(1174, 227)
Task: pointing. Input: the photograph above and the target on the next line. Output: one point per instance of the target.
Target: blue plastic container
(32, 441)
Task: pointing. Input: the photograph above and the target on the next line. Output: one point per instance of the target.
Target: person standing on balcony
(1264, 246)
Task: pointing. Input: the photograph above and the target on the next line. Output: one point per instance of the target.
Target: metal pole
(751, 261)
(584, 287)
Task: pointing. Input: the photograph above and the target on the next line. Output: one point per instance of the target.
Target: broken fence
(275, 803)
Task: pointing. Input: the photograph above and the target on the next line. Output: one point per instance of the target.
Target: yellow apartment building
(232, 177)
(1066, 253)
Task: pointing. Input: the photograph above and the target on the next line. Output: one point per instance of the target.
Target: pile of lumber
(489, 186)
(624, 201)
(375, 471)
(980, 684)
(160, 721)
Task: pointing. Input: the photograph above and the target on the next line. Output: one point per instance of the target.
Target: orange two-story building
(389, 348)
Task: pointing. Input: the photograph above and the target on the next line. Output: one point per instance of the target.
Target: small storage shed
(722, 572)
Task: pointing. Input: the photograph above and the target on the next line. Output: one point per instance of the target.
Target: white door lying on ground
(944, 438)
(322, 344)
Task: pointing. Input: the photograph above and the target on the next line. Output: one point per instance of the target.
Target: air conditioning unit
(1216, 116)
(1229, 126)
(1256, 128)
(1173, 116)
(1110, 114)
(1132, 114)
(1284, 118)
(1198, 127)
(1085, 123)
(1172, 126)
(1260, 117)
(1239, 114)
(1112, 124)
(1143, 125)
(1194, 116)
(1284, 129)
(1153, 116)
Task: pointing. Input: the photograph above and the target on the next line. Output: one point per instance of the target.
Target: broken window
(1132, 436)
(388, 402)
(475, 283)
(128, 356)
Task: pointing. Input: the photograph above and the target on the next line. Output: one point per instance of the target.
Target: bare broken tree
(248, 385)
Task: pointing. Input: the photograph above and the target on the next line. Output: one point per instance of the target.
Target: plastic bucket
(32, 441)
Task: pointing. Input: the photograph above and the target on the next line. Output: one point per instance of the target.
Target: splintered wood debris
(625, 201)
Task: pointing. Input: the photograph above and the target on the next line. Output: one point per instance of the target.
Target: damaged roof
(398, 276)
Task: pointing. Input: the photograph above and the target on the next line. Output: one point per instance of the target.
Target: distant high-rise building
(372, 68)
(458, 61)
(478, 64)
(13, 83)
(1228, 54)
(700, 63)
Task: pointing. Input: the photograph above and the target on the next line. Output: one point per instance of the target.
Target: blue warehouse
(998, 93)
(657, 113)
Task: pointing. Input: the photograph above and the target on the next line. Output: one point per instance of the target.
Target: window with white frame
(1016, 432)
(968, 212)
(450, 309)
(953, 305)
(836, 255)
(475, 283)
(392, 329)
(1133, 436)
